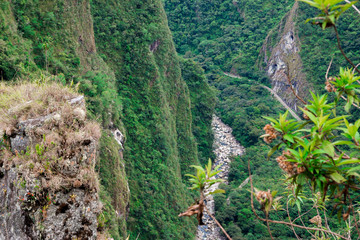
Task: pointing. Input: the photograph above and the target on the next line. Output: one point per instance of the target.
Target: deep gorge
(150, 77)
(225, 148)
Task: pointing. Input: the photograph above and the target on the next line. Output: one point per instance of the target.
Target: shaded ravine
(225, 146)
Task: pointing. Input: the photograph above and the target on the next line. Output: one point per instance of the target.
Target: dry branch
(197, 209)
(282, 222)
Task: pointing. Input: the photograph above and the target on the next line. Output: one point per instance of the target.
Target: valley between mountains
(105, 106)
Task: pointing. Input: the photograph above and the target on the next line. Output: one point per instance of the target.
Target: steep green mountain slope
(203, 101)
(123, 58)
(222, 35)
(135, 39)
(47, 40)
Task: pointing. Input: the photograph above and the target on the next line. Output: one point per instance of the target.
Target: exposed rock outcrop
(119, 137)
(225, 147)
(280, 53)
(48, 186)
(121, 209)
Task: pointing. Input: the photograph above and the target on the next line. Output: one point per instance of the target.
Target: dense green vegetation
(202, 107)
(242, 103)
(223, 35)
(228, 36)
(43, 39)
(318, 47)
(132, 80)
(157, 117)
(122, 55)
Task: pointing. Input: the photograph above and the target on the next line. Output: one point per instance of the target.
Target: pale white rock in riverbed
(225, 146)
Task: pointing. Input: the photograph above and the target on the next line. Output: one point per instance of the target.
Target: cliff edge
(48, 184)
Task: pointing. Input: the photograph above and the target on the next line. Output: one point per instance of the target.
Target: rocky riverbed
(225, 146)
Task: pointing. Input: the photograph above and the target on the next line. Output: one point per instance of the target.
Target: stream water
(225, 146)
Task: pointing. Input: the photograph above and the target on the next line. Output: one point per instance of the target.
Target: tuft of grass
(22, 101)
(63, 140)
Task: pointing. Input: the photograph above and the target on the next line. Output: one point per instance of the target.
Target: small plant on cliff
(202, 181)
(40, 149)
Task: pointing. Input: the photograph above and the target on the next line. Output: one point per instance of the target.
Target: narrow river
(225, 146)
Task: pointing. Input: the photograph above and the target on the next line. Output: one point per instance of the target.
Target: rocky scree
(225, 147)
(48, 186)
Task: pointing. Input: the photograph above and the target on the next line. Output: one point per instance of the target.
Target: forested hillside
(231, 36)
(153, 73)
(121, 56)
(223, 35)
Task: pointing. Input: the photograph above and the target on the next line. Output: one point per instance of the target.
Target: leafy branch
(322, 151)
(202, 181)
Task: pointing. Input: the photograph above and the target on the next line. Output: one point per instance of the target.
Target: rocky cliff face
(225, 147)
(48, 149)
(283, 64)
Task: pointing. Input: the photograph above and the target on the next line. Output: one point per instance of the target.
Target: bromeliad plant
(202, 181)
(204, 178)
(347, 84)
